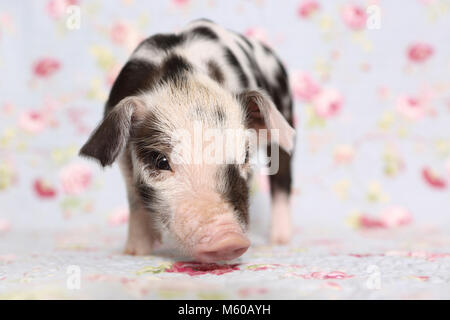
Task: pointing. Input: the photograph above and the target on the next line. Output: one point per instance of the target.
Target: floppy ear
(111, 135)
(263, 114)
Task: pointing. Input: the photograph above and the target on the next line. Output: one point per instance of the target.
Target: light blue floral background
(372, 106)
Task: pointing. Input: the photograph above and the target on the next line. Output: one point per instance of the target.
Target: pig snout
(209, 229)
(221, 246)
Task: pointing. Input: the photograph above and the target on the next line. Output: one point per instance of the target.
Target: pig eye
(159, 161)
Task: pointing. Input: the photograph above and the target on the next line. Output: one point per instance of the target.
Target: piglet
(184, 118)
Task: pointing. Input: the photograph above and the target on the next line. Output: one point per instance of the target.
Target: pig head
(204, 204)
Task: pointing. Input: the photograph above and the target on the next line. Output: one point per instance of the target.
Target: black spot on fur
(136, 75)
(243, 38)
(219, 114)
(153, 202)
(164, 41)
(282, 78)
(215, 72)
(261, 81)
(147, 194)
(236, 192)
(282, 180)
(233, 61)
(148, 137)
(267, 49)
(205, 32)
(174, 67)
(199, 113)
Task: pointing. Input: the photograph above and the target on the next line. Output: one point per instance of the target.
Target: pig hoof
(280, 238)
(281, 234)
(141, 250)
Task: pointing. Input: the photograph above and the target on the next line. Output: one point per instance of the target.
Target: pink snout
(225, 246)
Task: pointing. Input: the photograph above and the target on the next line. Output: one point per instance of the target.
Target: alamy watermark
(373, 21)
(209, 146)
(73, 281)
(373, 282)
(73, 20)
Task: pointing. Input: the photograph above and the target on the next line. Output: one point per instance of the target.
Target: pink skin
(212, 236)
(223, 246)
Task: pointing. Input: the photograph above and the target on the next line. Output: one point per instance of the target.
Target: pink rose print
(5, 226)
(112, 74)
(320, 275)
(180, 3)
(118, 217)
(120, 32)
(391, 217)
(75, 178)
(328, 103)
(46, 67)
(43, 189)
(57, 8)
(411, 107)
(354, 17)
(367, 222)
(32, 121)
(197, 268)
(258, 34)
(433, 179)
(307, 8)
(395, 216)
(447, 168)
(343, 154)
(419, 52)
(304, 87)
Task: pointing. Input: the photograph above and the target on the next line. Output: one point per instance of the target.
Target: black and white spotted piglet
(222, 80)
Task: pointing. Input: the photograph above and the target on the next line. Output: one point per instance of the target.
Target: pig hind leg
(280, 188)
(281, 182)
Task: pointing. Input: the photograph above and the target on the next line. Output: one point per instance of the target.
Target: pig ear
(263, 114)
(111, 135)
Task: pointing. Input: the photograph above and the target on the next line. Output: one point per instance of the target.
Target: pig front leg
(280, 188)
(142, 233)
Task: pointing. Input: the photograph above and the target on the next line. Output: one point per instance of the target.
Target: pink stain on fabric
(46, 67)
(245, 292)
(197, 268)
(75, 178)
(320, 275)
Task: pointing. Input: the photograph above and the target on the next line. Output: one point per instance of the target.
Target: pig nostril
(239, 251)
(224, 254)
(223, 247)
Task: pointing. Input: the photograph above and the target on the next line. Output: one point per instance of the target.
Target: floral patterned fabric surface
(371, 204)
